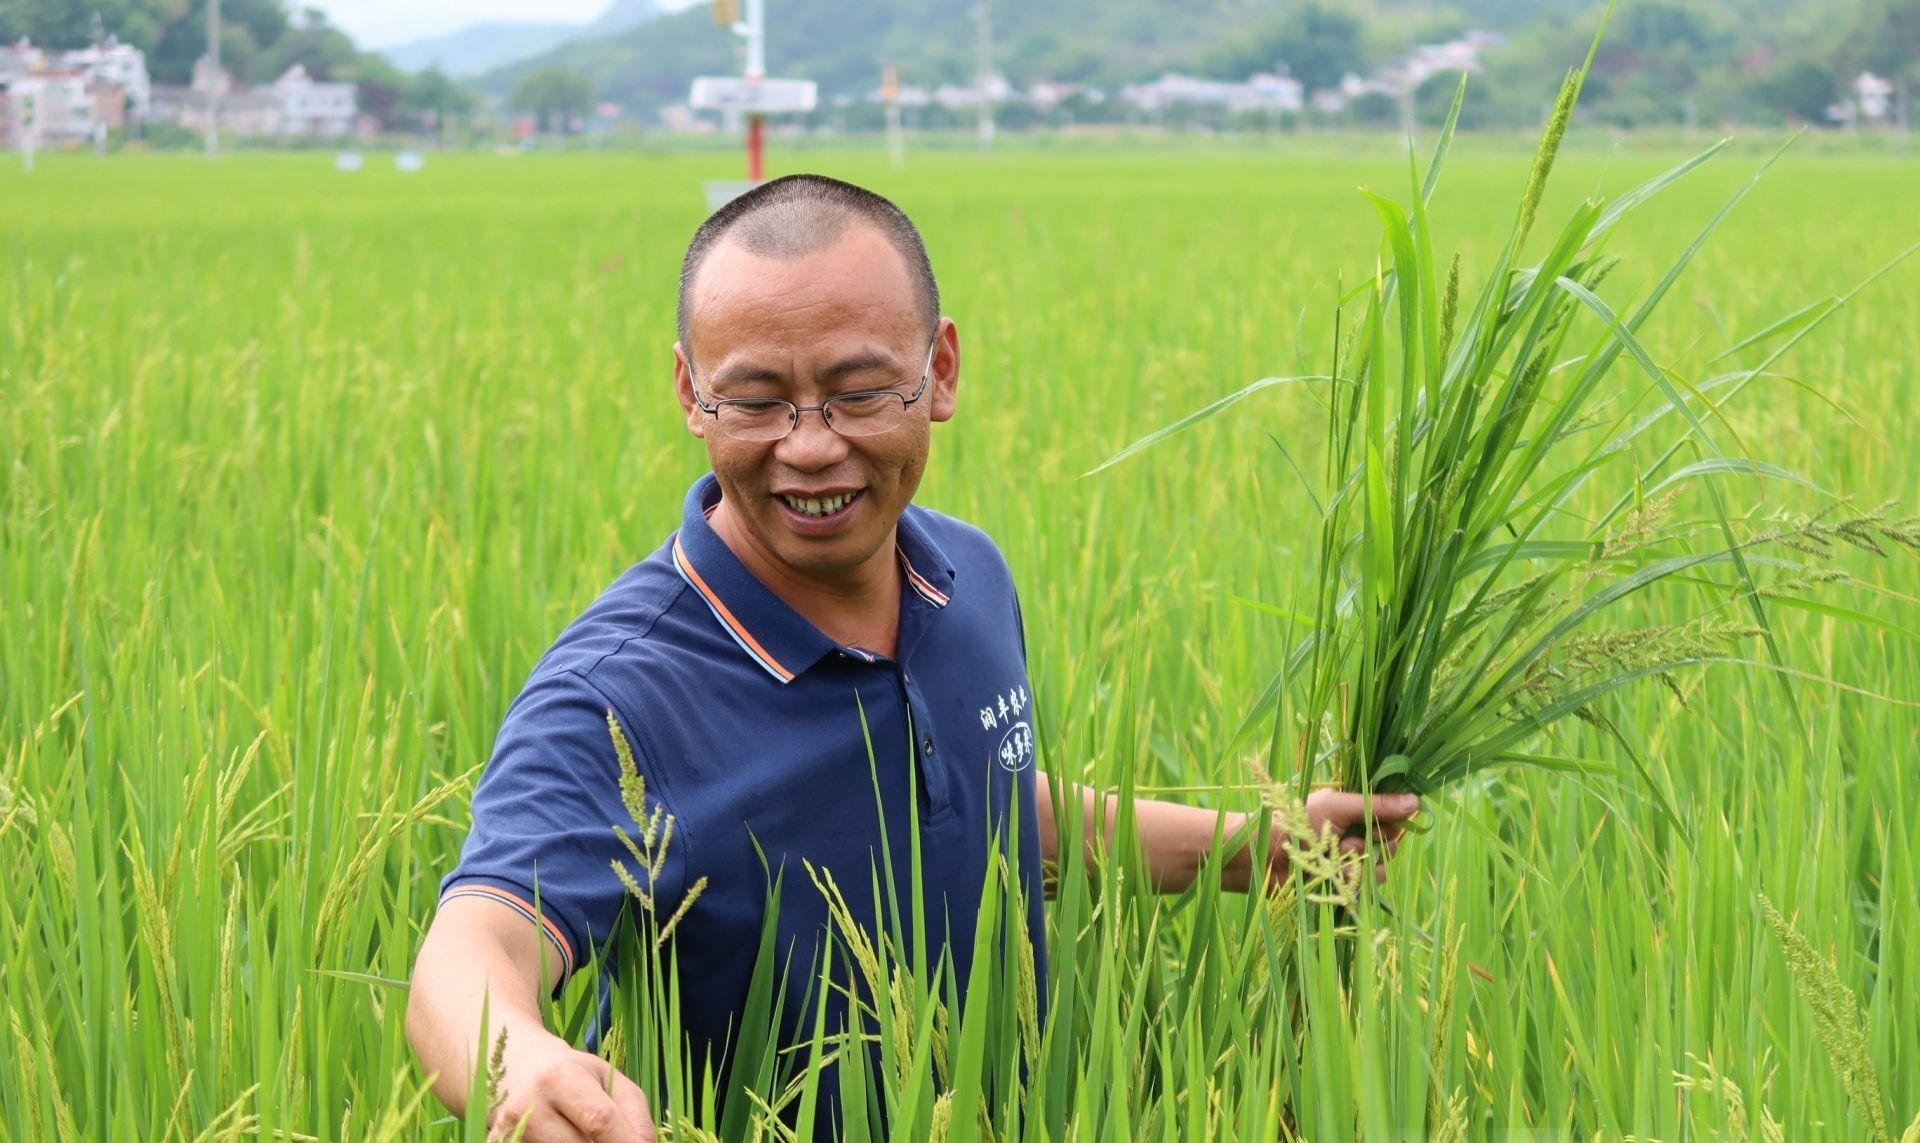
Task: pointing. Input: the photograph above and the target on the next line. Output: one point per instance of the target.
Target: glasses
(868, 413)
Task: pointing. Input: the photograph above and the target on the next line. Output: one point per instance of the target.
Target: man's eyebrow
(858, 362)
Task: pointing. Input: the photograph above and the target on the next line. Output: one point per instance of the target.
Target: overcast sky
(382, 23)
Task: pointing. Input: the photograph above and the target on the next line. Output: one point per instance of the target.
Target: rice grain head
(1837, 1020)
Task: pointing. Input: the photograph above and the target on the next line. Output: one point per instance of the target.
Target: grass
(303, 471)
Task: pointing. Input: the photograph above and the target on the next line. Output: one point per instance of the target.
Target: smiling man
(805, 608)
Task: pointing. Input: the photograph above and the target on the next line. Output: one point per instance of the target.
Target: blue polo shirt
(746, 722)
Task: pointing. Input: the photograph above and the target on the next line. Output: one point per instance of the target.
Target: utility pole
(986, 77)
(756, 35)
(751, 94)
(890, 92)
(213, 79)
(29, 127)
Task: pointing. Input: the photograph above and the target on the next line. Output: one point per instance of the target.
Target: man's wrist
(1237, 870)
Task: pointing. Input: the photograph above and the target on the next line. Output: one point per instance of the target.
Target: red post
(756, 147)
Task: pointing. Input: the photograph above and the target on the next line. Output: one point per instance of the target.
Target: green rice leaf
(1195, 418)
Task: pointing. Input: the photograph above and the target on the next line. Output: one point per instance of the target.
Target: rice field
(304, 470)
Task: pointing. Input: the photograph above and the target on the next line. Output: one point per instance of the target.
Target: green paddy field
(300, 471)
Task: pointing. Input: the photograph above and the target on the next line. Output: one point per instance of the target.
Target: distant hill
(477, 47)
(1664, 61)
(480, 47)
(843, 43)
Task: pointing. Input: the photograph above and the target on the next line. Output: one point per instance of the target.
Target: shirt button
(926, 746)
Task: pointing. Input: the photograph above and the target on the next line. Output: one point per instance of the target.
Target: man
(804, 613)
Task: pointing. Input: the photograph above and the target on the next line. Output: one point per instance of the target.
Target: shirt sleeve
(543, 841)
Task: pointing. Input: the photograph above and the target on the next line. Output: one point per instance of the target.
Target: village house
(1870, 100)
(71, 96)
(295, 105)
(1268, 93)
(1401, 78)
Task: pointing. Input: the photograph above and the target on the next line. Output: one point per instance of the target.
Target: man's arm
(477, 954)
(1176, 840)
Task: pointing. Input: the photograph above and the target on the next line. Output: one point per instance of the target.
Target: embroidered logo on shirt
(1004, 709)
(1015, 750)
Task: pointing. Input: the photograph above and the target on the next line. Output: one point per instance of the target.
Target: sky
(383, 23)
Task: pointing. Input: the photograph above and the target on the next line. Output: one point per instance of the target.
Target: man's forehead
(860, 274)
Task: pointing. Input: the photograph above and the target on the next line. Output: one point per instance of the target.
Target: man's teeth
(826, 507)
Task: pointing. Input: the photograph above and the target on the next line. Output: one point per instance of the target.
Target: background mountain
(480, 47)
(477, 47)
(1664, 61)
(842, 44)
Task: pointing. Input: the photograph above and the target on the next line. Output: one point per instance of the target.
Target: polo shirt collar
(782, 641)
(929, 572)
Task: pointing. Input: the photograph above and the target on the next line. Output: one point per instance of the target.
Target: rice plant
(1463, 601)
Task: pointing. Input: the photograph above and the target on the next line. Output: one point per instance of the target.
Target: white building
(20, 60)
(1274, 93)
(72, 96)
(1046, 94)
(312, 107)
(118, 65)
(242, 111)
(1269, 93)
(954, 97)
(1401, 78)
(57, 103)
(1870, 100)
(1428, 60)
(296, 105)
(1874, 95)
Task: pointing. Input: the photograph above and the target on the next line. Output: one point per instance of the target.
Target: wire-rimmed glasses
(867, 413)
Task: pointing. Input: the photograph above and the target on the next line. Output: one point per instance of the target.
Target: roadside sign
(752, 95)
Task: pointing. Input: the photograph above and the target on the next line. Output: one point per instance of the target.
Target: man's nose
(812, 443)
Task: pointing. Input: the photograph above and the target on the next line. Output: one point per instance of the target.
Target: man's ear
(683, 388)
(944, 387)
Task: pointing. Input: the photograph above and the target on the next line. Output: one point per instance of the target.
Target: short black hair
(795, 215)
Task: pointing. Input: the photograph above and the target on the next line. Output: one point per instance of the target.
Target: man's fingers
(1336, 809)
(544, 1125)
(632, 1103)
(1388, 808)
(1341, 811)
(581, 1095)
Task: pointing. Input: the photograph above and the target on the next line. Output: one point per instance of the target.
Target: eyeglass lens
(851, 415)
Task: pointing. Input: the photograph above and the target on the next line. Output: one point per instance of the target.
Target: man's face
(840, 320)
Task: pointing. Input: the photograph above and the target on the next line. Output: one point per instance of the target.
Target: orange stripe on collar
(738, 630)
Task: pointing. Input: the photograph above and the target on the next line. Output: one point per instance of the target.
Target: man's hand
(563, 1097)
(1346, 815)
(480, 956)
(1176, 840)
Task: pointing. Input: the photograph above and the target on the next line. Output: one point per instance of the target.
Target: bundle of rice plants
(1463, 604)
